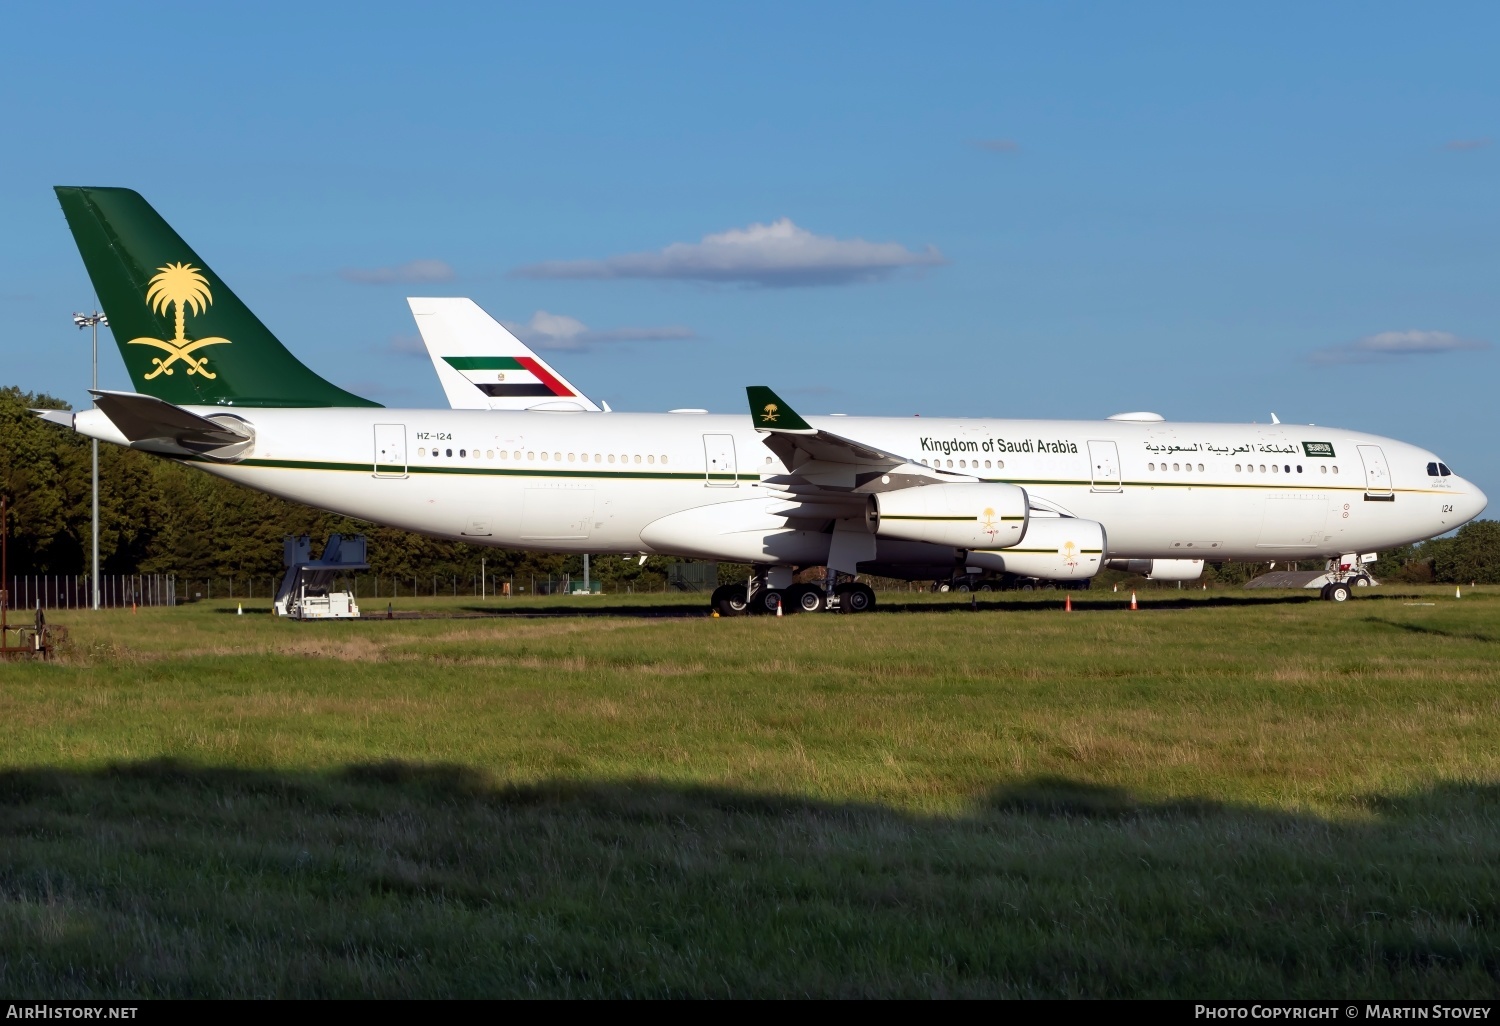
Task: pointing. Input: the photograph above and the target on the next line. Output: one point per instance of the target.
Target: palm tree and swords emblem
(181, 286)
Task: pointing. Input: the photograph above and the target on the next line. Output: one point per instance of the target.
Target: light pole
(92, 322)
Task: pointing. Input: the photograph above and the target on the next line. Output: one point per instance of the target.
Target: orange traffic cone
(1068, 604)
(778, 607)
(1132, 600)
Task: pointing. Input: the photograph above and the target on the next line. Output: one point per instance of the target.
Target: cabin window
(999, 464)
(1323, 469)
(650, 459)
(1151, 466)
(1273, 468)
(664, 459)
(544, 456)
(489, 454)
(1335, 468)
(986, 464)
(598, 458)
(531, 455)
(421, 452)
(611, 457)
(1176, 467)
(449, 452)
(638, 459)
(950, 464)
(1299, 468)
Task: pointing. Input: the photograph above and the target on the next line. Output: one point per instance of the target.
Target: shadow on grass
(1049, 601)
(166, 879)
(1421, 628)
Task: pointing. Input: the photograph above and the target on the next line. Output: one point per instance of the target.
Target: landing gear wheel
(986, 588)
(767, 601)
(729, 599)
(804, 598)
(1337, 592)
(961, 588)
(856, 598)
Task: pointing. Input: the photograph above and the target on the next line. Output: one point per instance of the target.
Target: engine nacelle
(1054, 549)
(1161, 569)
(965, 515)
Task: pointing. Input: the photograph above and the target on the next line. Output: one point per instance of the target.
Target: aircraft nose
(1475, 502)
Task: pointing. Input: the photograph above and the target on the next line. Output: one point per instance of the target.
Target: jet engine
(1161, 569)
(1054, 549)
(964, 515)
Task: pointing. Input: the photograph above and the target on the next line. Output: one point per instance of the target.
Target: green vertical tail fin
(186, 338)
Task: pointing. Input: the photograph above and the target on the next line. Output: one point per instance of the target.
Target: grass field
(1218, 795)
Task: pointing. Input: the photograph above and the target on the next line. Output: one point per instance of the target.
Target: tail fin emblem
(181, 286)
(770, 415)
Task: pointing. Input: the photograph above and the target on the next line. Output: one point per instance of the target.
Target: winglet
(770, 412)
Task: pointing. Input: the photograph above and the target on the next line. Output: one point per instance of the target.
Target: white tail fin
(482, 366)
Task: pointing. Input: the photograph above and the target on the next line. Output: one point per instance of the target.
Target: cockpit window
(1438, 470)
(1432, 470)
(1443, 469)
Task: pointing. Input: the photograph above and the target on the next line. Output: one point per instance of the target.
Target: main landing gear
(758, 597)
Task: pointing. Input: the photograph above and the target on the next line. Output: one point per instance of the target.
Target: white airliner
(910, 497)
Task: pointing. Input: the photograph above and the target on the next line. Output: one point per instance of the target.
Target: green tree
(1471, 555)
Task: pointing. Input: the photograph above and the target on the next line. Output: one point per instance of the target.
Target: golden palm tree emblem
(183, 287)
(769, 416)
(987, 521)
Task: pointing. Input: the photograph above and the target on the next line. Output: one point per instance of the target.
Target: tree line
(157, 516)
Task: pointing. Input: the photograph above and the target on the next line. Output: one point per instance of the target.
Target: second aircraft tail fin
(483, 366)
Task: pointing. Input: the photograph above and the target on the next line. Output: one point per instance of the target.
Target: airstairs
(306, 591)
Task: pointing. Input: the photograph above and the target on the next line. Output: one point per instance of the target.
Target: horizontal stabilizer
(161, 426)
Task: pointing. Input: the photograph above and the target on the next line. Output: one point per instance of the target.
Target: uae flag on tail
(498, 376)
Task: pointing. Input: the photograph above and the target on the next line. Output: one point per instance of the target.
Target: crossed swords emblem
(180, 286)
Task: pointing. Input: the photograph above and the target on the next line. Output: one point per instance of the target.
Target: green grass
(1214, 796)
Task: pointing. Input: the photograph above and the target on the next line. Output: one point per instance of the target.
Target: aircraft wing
(826, 472)
(483, 366)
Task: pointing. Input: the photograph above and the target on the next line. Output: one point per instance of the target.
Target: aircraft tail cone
(1068, 604)
(1132, 600)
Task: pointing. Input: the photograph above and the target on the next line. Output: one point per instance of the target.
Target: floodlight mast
(92, 322)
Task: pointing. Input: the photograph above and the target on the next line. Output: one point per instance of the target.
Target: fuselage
(590, 482)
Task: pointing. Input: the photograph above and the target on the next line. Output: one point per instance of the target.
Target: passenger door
(720, 467)
(1377, 475)
(1104, 464)
(390, 450)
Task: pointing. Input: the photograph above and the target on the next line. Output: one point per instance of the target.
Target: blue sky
(1210, 211)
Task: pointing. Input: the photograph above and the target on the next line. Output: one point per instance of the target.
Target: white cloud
(998, 145)
(403, 274)
(1463, 145)
(559, 331)
(776, 254)
(1396, 343)
(405, 345)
